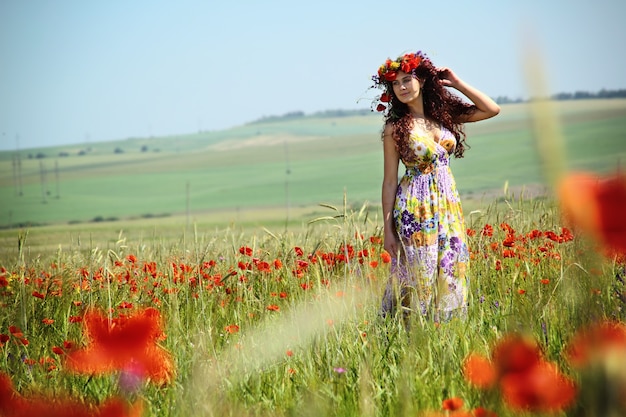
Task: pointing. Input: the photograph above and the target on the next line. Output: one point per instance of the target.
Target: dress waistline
(423, 169)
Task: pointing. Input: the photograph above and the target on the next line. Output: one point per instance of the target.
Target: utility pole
(42, 172)
(187, 203)
(15, 174)
(287, 172)
(56, 176)
(18, 165)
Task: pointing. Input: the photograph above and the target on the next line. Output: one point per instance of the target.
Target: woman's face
(406, 87)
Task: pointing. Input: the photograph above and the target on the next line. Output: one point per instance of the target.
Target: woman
(424, 229)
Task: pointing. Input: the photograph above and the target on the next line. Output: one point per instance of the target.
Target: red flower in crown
(390, 75)
(410, 62)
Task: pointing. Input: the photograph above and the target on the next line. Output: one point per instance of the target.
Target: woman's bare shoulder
(388, 130)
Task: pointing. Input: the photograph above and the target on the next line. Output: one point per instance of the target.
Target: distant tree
(508, 100)
(40, 155)
(563, 96)
(144, 148)
(582, 95)
(118, 150)
(63, 154)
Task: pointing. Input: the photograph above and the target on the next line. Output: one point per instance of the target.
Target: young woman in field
(424, 228)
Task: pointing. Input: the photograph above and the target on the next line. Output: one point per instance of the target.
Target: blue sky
(74, 71)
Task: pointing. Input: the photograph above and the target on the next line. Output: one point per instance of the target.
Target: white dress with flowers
(429, 222)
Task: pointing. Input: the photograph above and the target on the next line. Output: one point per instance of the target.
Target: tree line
(578, 95)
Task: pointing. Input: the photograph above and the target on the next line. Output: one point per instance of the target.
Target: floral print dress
(430, 225)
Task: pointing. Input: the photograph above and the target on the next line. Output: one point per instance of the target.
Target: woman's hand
(391, 243)
(448, 78)
(485, 106)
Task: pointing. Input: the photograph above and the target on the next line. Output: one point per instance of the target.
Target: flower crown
(389, 71)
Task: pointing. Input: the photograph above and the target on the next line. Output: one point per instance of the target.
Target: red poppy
(481, 412)
(124, 340)
(410, 62)
(479, 371)
(13, 404)
(16, 331)
(509, 241)
(487, 230)
(245, 250)
(595, 205)
(541, 388)
(231, 328)
(384, 67)
(507, 228)
(595, 341)
(37, 294)
(386, 258)
(452, 404)
(508, 253)
(47, 321)
(390, 75)
(515, 353)
(527, 381)
(273, 307)
(385, 98)
(498, 265)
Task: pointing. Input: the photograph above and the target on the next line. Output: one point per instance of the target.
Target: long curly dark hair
(440, 105)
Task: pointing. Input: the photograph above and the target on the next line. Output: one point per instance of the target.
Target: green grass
(388, 370)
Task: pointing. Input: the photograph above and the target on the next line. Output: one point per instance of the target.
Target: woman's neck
(416, 108)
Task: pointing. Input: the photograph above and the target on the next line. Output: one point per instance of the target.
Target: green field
(282, 165)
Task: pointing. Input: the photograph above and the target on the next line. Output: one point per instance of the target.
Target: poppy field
(254, 322)
(285, 324)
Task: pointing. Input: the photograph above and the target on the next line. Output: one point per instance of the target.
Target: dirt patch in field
(261, 140)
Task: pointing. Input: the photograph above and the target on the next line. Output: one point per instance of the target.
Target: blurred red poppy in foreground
(596, 342)
(123, 342)
(454, 407)
(596, 205)
(14, 405)
(526, 380)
